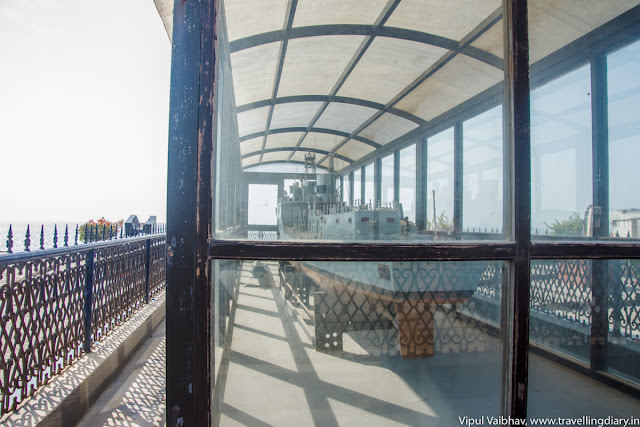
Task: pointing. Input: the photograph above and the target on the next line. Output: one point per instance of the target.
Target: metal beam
(318, 130)
(328, 99)
(465, 43)
(313, 150)
(384, 16)
(282, 162)
(368, 31)
(288, 23)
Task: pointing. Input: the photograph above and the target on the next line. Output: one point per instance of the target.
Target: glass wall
(407, 185)
(583, 312)
(357, 186)
(346, 189)
(337, 343)
(561, 184)
(387, 195)
(482, 169)
(416, 342)
(369, 192)
(623, 68)
(440, 179)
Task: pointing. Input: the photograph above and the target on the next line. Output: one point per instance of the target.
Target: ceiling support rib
(288, 23)
(384, 16)
(278, 149)
(368, 31)
(328, 99)
(318, 130)
(465, 43)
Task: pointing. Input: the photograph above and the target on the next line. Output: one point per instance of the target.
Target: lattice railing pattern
(158, 266)
(119, 285)
(43, 301)
(624, 298)
(41, 330)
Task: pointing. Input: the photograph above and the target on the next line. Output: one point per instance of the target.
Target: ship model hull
(369, 294)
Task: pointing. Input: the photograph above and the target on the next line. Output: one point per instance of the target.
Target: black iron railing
(55, 303)
(563, 289)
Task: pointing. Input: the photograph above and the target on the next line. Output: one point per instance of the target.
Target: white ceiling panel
(294, 114)
(452, 19)
(276, 156)
(251, 145)
(460, 79)
(321, 141)
(387, 128)
(250, 161)
(279, 140)
(492, 41)
(338, 164)
(254, 72)
(314, 64)
(247, 17)
(387, 67)
(252, 121)
(331, 12)
(355, 150)
(344, 117)
(554, 24)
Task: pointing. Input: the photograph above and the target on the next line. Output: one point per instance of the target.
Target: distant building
(624, 222)
(132, 226)
(149, 226)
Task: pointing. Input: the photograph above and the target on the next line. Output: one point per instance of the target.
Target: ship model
(360, 295)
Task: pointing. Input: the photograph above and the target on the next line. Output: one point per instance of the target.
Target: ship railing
(56, 303)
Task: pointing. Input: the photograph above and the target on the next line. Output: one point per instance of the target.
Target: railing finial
(10, 240)
(27, 240)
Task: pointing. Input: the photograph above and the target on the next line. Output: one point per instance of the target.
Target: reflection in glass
(387, 195)
(407, 195)
(623, 68)
(567, 315)
(357, 186)
(482, 166)
(369, 193)
(346, 189)
(440, 181)
(336, 343)
(561, 184)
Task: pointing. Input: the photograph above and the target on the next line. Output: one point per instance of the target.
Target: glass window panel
(407, 195)
(482, 172)
(357, 186)
(387, 179)
(335, 343)
(440, 180)
(567, 322)
(624, 133)
(561, 184)
(262, 204)
(369, 194)
(346, 189)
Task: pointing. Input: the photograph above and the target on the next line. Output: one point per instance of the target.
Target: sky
(84, 107)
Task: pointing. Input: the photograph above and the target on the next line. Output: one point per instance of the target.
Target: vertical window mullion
(517, 199)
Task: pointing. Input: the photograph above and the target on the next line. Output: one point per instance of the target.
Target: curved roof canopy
(348, 77)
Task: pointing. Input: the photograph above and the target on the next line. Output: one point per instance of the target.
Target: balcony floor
(137, 397)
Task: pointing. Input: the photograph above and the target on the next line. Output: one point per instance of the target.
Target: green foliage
(94, 230)
(569, 227)
(445, 223)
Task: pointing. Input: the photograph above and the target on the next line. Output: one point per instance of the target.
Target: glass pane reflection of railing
(397, 341)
